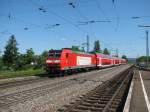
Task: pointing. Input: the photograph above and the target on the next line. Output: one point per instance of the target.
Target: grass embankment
(22, 73)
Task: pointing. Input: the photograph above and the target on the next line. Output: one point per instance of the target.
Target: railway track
(27, 81)
(21, 82)
(18, 97)
(108, 97)
(15, 98)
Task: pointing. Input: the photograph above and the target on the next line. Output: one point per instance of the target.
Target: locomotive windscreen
(54, 53)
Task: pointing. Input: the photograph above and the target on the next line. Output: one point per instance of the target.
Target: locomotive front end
(53, 61)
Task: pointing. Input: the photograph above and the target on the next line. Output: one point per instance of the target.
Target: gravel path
(49, 95)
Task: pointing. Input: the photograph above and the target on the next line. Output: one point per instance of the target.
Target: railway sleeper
(94, 104)
(97, 102)
(110, 100)
(103, 97)
(91, 108)
(95, 98)
(76, 110)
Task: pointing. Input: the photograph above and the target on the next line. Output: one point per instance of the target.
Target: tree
(30, 56)
(44, 54)
(97, 46)
(143, 59)
(75, 48)
(40, 59)
(1, 63)
(21, 62)
(106, 51)
(124, 57)
(11, 52)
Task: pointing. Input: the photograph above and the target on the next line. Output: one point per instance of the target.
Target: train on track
(67, 60)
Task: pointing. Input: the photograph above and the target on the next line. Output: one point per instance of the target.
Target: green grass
(22, 73)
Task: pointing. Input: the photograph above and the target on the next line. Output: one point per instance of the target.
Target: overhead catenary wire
(53, 13)
(87, 22)
(75, 7)
(117, 15)
(102, 11)
(5, 32)
(11, 17)
(58, 16)
(29, 25)
(62, 18)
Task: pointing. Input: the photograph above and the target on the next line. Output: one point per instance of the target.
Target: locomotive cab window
(56, 54)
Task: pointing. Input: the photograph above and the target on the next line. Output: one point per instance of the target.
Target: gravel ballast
(55, 99)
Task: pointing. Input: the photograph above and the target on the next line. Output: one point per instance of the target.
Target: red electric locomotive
(66, 60)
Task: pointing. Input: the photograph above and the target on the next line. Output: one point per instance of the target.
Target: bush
(21, 73)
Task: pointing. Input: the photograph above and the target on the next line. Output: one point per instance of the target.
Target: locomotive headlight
(48, 61)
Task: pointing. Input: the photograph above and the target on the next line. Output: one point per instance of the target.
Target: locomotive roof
(55, 50)
(70, 50)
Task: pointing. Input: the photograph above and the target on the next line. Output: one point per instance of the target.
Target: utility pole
(117, 52)
(147, 48)
(88, 45)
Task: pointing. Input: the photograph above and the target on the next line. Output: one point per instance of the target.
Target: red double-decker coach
(104, 60)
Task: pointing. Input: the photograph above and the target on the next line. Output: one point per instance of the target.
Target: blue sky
(122, 32)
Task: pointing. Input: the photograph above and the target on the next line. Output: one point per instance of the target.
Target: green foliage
(44, 54)
(97, 47)
(124, 57)
(30, 56)
(76, 48)
(21, 73)
(11, 52)
(106, 51)
(24, 61)
(143, 59)
(29, 60)
(14, 64)
(21, 63)
(1, 63)
(40, 59)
